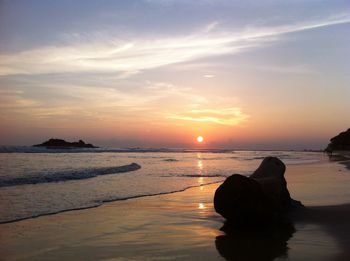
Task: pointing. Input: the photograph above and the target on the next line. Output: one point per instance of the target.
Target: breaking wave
(60, 176)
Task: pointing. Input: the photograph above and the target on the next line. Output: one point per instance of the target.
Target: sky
(158, 73)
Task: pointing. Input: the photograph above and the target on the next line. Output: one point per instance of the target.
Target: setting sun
(200, 139)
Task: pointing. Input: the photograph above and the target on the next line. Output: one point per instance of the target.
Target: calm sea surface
(35, 182)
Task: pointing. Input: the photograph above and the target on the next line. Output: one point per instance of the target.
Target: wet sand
(184, 226)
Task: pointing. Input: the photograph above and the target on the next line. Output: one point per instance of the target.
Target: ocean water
(39, 181)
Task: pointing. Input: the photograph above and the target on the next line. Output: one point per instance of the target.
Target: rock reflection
(254, 243)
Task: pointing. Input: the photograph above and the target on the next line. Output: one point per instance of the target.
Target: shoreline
(345, 162)
(184, 226)
(106, 202)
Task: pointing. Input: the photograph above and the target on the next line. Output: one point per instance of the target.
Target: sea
(37, 181)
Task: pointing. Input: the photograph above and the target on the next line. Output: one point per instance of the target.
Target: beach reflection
(200, 181)
(200, 169)
(200, 165)
(254, 243)
(201, 206)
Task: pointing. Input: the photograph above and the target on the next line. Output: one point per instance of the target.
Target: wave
(66, 175)
(213, 158)
(99, 203)
(302, 161)
(254, 158)
(197, 176)
(202, 176)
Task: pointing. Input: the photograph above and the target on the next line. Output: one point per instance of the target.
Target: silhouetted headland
(339, 142)
(261, 198)
(59, 143)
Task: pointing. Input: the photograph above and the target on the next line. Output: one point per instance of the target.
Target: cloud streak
(105, 104)
(225, 116)
(127, 57)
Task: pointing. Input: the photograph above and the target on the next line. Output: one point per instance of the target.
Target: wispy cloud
(79, 102)
(15, 99)
(177, 103)
(225, 116)
(127, 57)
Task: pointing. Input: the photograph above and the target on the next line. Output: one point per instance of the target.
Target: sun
(200, 139)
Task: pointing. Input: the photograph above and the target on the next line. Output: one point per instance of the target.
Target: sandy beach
(184, 226)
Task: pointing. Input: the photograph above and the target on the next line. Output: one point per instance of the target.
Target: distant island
(59, 143)
(339, 142)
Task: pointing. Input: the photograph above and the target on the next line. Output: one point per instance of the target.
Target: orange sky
(240, 76)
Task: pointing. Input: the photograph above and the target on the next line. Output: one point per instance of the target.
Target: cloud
(13, 99)
(129, 57)
(78, 102)
(155, 102)
(225, 116)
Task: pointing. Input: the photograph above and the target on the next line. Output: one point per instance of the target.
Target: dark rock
(242, 199)
(339, 142)
(58, 143)
(270, 175)
(260, 198)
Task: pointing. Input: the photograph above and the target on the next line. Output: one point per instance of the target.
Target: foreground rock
(261, 198)
(58, 143)
(339, 142)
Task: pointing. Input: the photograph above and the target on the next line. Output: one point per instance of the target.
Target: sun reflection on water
(201, 180)
(200, 165)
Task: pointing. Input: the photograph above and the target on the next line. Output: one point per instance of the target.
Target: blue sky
(247, 74)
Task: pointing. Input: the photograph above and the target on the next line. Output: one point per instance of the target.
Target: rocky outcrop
(339, 142)
(58, 143)
(270, 175)
(261, 198)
